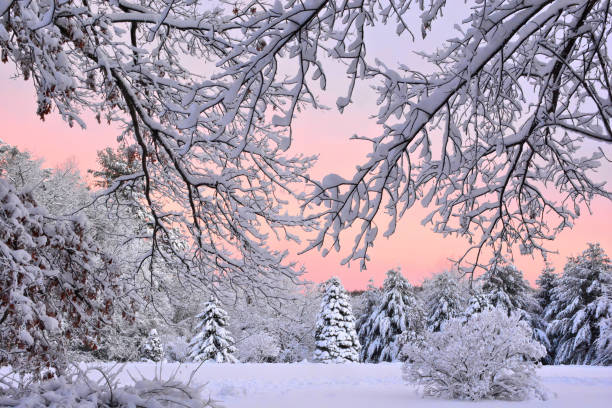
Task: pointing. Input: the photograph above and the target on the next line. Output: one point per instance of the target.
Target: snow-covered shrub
(176, 349)
(489, 356)
(294, 351)
(335, 336)
(289, 321)
(151, 348)
(57, 286)
(95, 388)
(212, 341)
(258, 348)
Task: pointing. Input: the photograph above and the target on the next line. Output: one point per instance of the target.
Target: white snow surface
(354, 385)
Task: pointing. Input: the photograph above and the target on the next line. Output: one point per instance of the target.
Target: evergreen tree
(397, 320)
(370, 300)
(444, 299)
(152, 348)
(505, 288)
(546, 283)
(335, 336)
(212, 342)
(580, 309)
(477, 303)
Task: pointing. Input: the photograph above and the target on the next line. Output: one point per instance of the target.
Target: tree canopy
(498, 138)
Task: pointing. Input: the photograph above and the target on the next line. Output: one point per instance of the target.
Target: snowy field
(308, 385)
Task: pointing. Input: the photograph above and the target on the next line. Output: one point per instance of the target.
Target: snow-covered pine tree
(444, 299)
(213, 342)
(335, 336)
(370, 300)
(151, 348)
(478, 302)
(546, 283)
(505, 288)
(397, 320)
(580, 307)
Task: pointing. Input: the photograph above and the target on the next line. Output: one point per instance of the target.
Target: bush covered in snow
(98, 388)
(57, 286)
(176, 348)
(258, 348)
(489, 356)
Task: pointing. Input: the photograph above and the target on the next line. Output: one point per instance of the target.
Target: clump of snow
(490, 356)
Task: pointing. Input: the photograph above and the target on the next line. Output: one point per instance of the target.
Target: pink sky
(417, 250)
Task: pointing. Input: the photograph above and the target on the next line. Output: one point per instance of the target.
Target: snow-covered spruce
(152, 348)
(397, 320)
(543, 295)
(444, 299)
(581, 308)
(213, 342)
(546, 283)
(490, 356)
(476, 303)
(370, 299)
(335, 336)
(504, 287)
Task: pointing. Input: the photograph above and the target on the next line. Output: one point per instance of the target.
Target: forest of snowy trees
(569, 313)
(567, 318)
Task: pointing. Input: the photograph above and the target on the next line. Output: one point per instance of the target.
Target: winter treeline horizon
(164, 318)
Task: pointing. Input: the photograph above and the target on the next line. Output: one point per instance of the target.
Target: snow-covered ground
(366, 386)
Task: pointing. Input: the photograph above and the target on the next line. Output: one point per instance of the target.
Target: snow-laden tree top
(493, 138)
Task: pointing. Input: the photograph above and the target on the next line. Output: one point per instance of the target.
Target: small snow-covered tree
(490, 356)
(57, 286)
(212, 342)
(444, 298)
(151, 348)
(580, 307)
(335, 336)
(397, 320)
(546, 283)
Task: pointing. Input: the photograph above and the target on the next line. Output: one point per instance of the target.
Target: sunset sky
(417, 250)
